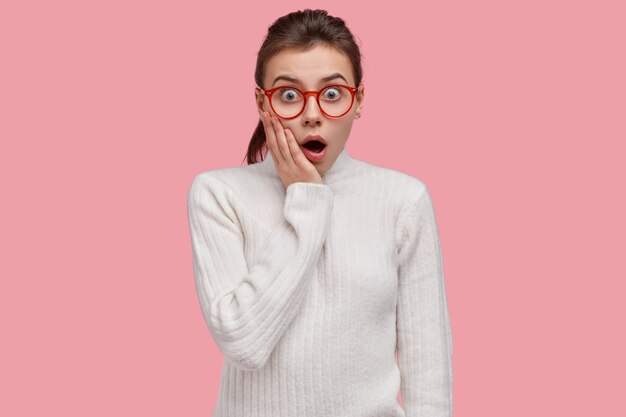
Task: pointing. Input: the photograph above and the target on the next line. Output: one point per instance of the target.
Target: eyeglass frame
(306, 94)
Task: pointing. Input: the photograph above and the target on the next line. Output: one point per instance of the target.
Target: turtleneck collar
(339, 169)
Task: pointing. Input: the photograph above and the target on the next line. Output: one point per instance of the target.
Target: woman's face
(309, 68)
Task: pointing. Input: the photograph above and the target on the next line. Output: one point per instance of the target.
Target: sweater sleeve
(248, 307)
(424, 340)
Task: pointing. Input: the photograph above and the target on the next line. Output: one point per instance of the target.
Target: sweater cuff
(308, 207)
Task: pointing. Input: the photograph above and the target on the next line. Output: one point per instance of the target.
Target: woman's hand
(291, 164)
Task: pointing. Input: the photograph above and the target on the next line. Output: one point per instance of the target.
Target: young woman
(313, 268)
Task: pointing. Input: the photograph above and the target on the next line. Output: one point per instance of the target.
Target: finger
(282, 140)
(270, 138)
(296, 152)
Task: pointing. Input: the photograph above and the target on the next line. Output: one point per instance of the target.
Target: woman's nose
(312, 112)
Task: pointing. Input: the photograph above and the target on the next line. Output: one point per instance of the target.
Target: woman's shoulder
(405, 183)
(241, 182)
(228, 176)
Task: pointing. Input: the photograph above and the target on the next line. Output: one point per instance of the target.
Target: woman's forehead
(309, 67)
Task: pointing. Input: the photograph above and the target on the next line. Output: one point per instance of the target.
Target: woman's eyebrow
(295, 80)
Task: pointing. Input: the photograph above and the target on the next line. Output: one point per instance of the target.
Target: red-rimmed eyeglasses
(289, 102)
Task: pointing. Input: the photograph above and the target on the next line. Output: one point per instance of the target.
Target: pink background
(512, 113)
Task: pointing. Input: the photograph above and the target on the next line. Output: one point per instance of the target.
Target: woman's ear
(359, 97)
(259, 98)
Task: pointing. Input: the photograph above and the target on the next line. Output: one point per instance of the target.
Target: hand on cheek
(291, 164)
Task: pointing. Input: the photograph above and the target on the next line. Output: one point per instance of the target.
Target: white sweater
(309, 291)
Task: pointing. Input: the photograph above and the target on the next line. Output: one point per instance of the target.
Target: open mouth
(314, 145)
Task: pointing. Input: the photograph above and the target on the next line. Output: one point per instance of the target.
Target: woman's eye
(289, 94)
(332, 93)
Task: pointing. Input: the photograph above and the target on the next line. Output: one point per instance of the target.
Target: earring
(358, 115)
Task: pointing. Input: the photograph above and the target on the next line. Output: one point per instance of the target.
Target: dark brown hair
(302, 30)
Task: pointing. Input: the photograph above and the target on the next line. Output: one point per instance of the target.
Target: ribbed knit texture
(309, 291)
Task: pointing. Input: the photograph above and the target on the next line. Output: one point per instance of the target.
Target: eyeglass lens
(335, 100)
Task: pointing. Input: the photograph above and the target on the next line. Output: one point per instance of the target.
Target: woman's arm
(249, 307)
(424, 340)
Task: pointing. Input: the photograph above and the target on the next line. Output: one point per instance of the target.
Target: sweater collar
(337, 171)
